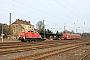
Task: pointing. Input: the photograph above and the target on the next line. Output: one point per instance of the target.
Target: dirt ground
(8, 40)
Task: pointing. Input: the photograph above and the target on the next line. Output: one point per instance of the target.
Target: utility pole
(2, 32)
(64, 28)
(43, 29)
(76, 30)
(10, 18)
(2, 27)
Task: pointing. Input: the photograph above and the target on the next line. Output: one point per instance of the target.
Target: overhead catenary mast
(43, 29)
(10, 18)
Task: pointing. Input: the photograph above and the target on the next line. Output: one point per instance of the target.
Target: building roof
(18, 21)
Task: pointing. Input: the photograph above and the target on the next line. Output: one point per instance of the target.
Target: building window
(13, 26)
(16, 25)
(14, 31)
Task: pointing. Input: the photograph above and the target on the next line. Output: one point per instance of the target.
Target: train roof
(73, 34)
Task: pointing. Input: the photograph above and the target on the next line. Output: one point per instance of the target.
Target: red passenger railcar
(69, 36)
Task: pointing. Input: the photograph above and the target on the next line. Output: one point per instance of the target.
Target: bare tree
(40, 26)
(5, 29)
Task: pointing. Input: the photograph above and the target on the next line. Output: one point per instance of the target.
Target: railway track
(29, 49)
(43, 55)
(19, 44)
(15, 45)
(85, 56)
(15, 48)
(32, 47)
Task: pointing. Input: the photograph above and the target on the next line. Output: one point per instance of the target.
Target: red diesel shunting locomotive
(30, 36)
(68, 36)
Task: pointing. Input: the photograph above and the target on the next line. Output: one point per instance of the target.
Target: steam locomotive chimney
(10, 18)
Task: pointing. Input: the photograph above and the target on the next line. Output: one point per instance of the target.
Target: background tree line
(41, 27)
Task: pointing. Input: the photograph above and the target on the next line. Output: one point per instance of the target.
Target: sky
(73, 14)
